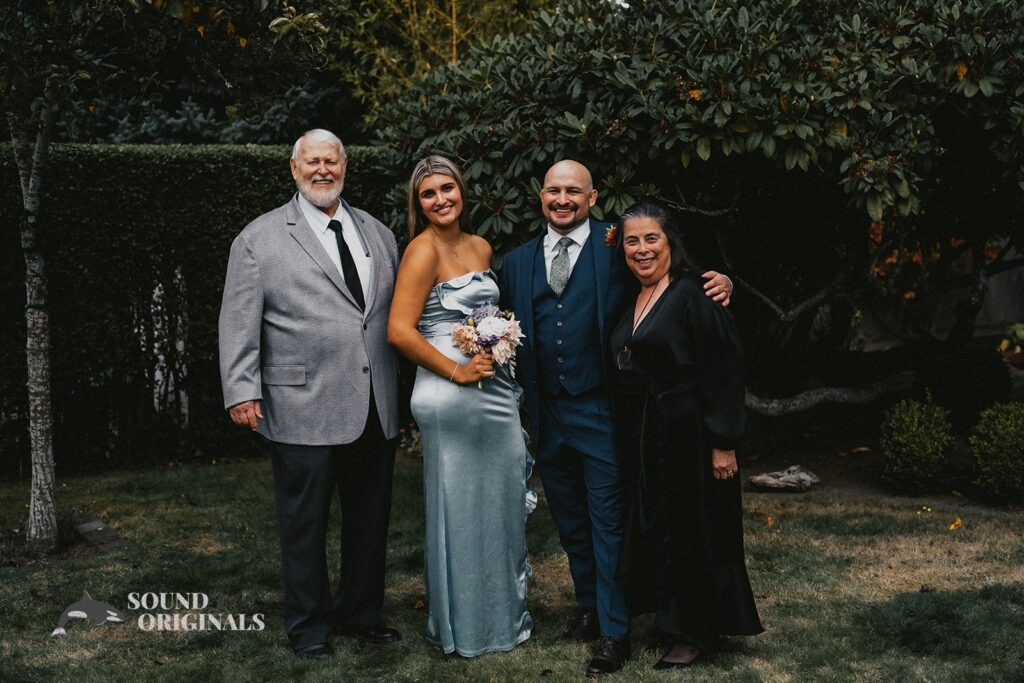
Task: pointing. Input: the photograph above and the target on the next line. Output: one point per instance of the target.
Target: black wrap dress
(678, 394)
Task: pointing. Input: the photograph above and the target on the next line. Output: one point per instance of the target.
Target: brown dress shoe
(610, 656)
(585, 628)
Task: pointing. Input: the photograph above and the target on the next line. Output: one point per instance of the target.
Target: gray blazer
(292, 335)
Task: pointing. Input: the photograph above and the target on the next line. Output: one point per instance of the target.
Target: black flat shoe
(664, 664)
(610, 656)
(378, 634)
(318, 652)
(585, 628)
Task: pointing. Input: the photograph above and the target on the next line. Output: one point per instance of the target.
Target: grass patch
(849, 589)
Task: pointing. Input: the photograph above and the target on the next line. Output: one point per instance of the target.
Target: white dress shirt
(578, 236)
(318, 221)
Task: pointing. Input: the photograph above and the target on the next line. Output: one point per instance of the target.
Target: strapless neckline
(468, 275)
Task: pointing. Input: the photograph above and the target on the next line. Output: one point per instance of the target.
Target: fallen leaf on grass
(957, 524)
(419, 605)
(769, 521)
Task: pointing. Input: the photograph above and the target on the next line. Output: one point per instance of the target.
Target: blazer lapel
(303, 234)
(524, 293)
(371, 239)
(602, 269)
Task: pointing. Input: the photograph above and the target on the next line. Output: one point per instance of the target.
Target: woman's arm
(416, 275)
(718, 370)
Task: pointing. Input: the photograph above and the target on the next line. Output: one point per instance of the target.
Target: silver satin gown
(475, 470)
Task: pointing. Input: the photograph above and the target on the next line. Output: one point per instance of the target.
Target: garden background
(857, 169)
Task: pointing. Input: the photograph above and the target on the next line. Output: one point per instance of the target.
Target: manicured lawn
(850, 587)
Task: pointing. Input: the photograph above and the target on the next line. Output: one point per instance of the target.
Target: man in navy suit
(568, 291)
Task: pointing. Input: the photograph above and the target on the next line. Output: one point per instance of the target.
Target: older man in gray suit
(305, 361)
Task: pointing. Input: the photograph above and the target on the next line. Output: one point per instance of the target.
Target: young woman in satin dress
(475, 461)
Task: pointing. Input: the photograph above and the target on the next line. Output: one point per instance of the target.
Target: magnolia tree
(843, 159)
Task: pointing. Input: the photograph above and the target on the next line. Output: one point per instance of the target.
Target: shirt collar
(579, 235)
(318, 220)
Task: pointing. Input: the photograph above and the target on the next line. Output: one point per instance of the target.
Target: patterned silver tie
(560, 267)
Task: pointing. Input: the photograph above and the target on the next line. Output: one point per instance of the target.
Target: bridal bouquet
(489, 328)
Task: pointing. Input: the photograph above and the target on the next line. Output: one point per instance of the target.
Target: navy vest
(566, 337)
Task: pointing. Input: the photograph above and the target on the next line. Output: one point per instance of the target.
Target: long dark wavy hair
(681, 263)
(428, 166)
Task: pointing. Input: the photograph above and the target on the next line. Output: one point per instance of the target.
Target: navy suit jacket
(516, 283)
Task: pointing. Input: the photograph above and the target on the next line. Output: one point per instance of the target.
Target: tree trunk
(41, 529)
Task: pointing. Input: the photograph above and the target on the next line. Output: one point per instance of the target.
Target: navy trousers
(583, 485)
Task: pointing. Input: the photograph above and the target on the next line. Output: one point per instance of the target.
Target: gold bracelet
(457, 366)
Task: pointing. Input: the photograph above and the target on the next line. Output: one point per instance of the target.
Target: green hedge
(122, 223)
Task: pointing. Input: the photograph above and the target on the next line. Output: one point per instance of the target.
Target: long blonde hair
(428, 166)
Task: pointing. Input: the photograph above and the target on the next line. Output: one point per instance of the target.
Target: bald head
(567, 195)
(569, 169)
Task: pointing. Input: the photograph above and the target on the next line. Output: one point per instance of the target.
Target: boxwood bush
(997, 446)
(916, 442)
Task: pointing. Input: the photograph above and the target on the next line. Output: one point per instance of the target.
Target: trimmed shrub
(997, 446)
(137, 240)
(916, 441)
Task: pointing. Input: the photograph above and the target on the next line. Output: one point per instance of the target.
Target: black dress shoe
(378, 634)
(319, 652)
(610, 656)
(585, 628)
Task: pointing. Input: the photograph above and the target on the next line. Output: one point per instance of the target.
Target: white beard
(318, 196)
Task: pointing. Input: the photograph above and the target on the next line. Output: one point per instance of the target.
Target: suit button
(366, 369)
(559, 341)
(559, 323)
(561, 377)
(559, 359)
(558, 305)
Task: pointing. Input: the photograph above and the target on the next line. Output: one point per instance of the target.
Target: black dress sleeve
(717, 369)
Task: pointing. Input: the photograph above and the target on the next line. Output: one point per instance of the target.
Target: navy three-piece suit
(563, 367)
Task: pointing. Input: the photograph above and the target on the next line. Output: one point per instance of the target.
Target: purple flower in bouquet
(490, 328)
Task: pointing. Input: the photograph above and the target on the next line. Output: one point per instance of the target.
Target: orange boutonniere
(609, 235)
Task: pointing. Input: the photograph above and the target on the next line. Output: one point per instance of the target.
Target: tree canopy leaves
(644, 93)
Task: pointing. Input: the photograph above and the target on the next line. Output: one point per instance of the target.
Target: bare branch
(785, 316)
(686, 207)
(774, 407)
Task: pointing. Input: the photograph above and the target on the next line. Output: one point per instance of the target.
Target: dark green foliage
(793, 125)
(997, 444)
(848, 92)
(137, 241)
(916, 441)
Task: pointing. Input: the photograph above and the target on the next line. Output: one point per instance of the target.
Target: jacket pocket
(290, 375)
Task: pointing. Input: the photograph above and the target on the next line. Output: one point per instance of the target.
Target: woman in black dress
(679, 417)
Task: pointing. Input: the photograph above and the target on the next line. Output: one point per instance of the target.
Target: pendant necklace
(451, 244)
(654, 292)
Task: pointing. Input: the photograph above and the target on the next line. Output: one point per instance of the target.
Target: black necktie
(348, 266)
